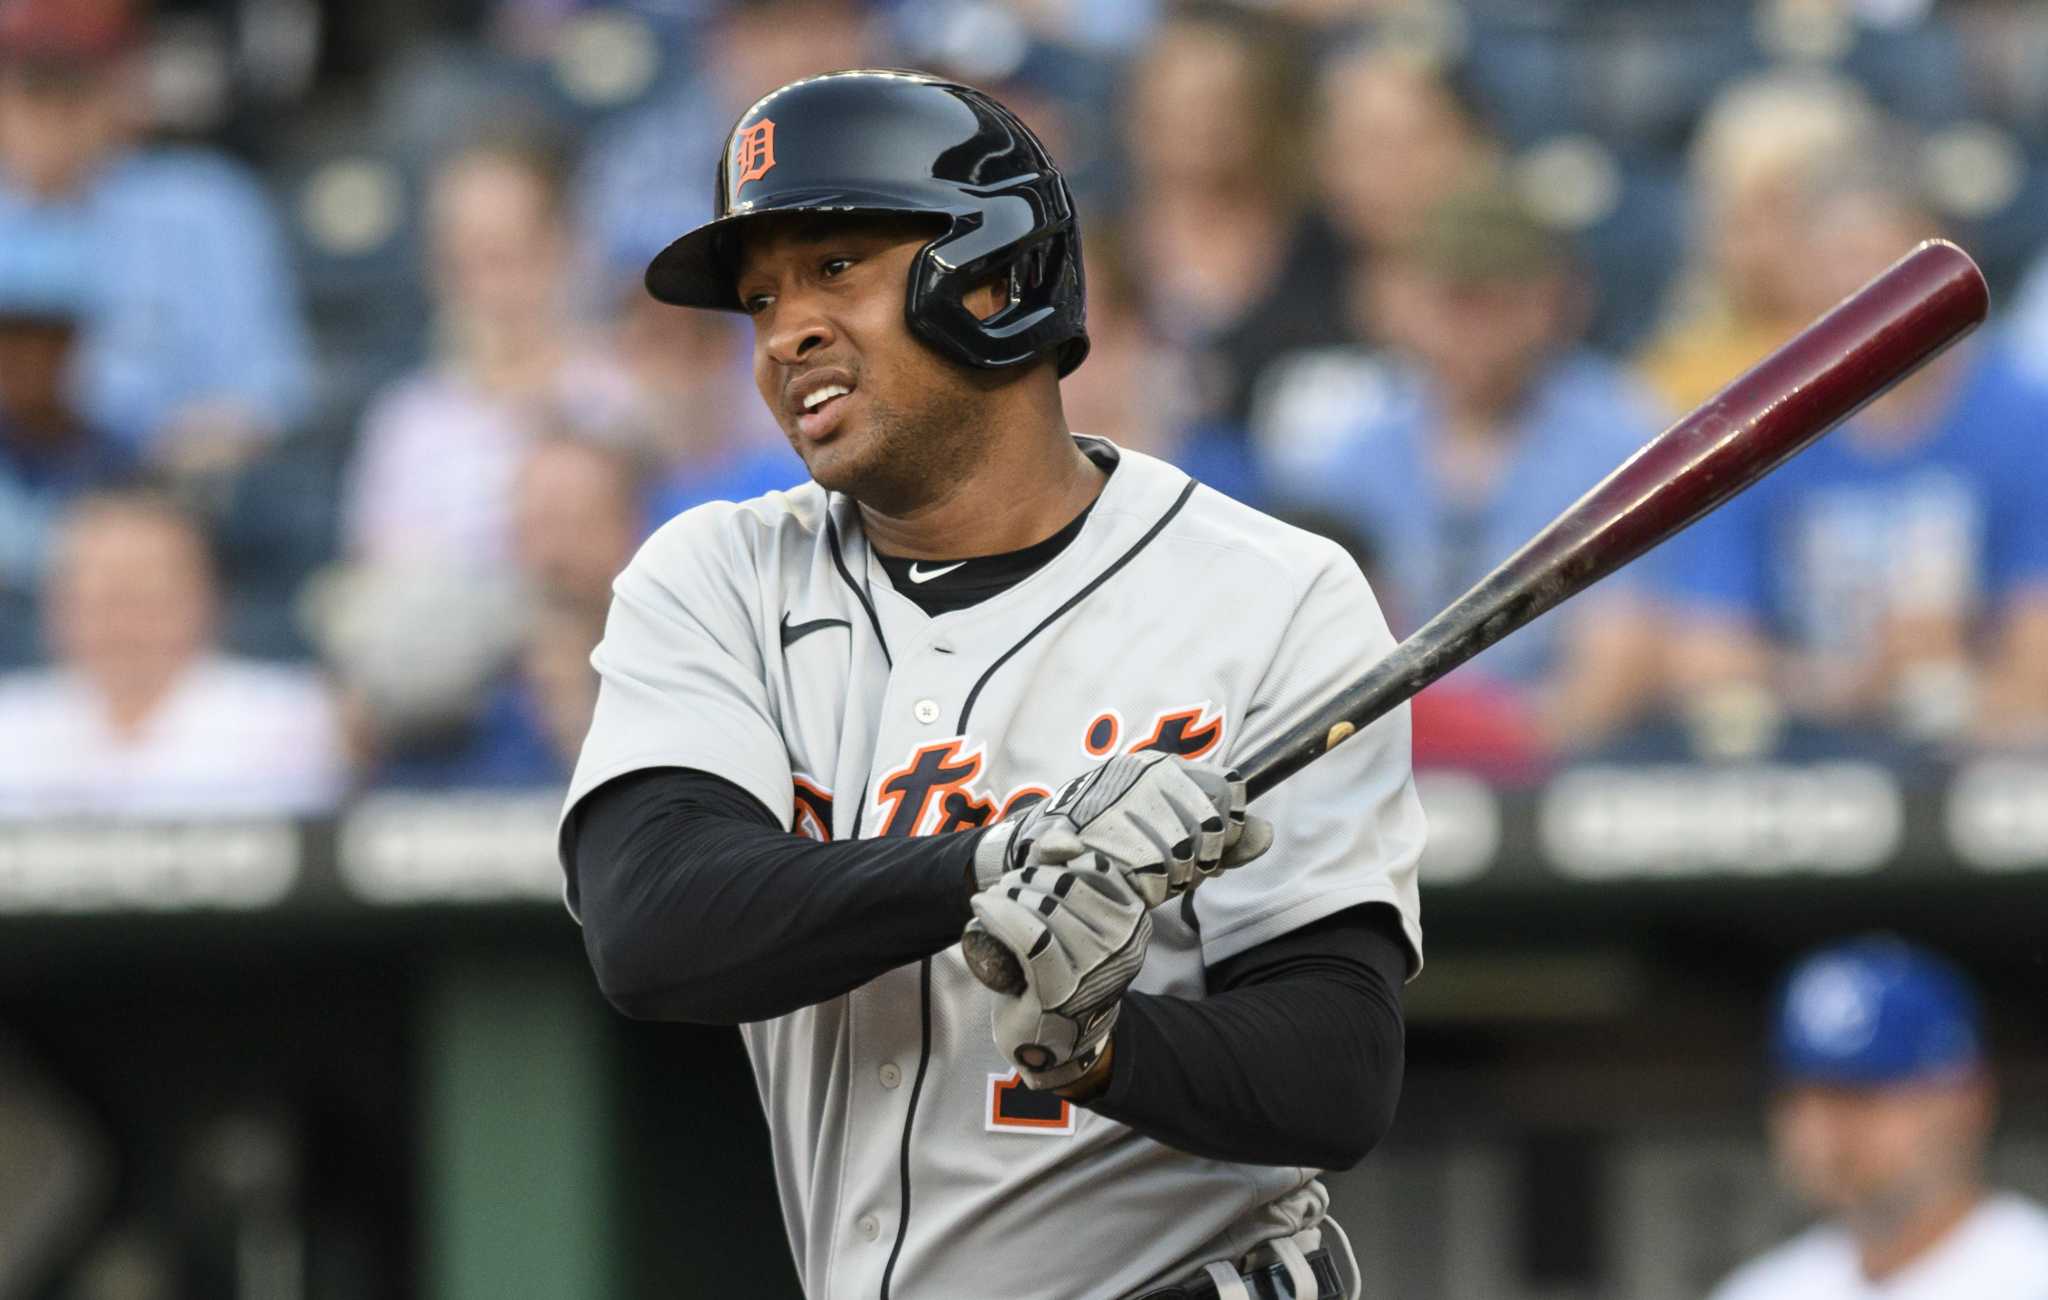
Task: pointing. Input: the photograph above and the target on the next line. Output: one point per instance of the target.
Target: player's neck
(1024, 491)
(1910, 1240)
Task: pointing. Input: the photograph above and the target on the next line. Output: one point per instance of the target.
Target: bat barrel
(1874, 338)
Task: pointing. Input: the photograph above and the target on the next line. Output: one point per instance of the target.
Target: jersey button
(891, 1076)
(870, 1227)
(926, 711)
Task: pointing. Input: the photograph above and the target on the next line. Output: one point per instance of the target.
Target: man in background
(193, 351)
(431, 484)
(515, 686)
(694, 404)
(1483, 425)
(1891, 582)
(1883, 1109)
(142, 715)
(646, 173)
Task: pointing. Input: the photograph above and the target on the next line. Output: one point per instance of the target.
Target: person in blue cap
(1882, 1109)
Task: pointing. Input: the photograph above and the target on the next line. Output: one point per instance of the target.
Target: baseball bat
(1870, 341)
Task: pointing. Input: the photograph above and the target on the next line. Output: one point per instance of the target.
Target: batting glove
(1081, 934)
(1162, 821)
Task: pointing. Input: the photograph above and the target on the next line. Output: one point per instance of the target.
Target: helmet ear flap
(1022, 238)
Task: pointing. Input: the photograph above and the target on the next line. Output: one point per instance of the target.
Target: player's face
(873, 412)
(1878, 1152)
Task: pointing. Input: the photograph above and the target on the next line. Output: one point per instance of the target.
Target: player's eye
(754, 304)
(834, 267)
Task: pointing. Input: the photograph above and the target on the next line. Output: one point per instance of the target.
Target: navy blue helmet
(872, 142)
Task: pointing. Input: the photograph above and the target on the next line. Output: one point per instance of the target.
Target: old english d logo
(753, 153)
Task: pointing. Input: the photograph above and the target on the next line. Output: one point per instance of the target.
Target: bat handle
(994, 965)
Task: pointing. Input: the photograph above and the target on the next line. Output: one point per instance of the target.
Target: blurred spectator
(519, 718)
(1109, 26)
(648, 176)
(1882, 1112)
(1232, 268)
(709, 434)
(1135, 388)
(1394, 135)
(2028, 320)
(193, 349)
(1894, 576)
(47, 456)
(575, 522)
(142, 716)
(431, 485)
(1758, 143)
(1465, 721)
(1487, 426)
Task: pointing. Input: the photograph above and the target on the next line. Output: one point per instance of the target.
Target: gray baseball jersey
(763, 642)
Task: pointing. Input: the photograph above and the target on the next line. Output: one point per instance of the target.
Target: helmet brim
(701, 269)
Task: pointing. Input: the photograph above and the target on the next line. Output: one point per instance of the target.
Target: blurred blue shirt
(505, 747)
(1951, 518)
(1581, 418)
(193, 295)
(740, 475)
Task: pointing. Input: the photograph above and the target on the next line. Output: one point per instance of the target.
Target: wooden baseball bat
(1872, 339)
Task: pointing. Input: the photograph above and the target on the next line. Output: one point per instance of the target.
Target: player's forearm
(697, 907)
(1301, 1067)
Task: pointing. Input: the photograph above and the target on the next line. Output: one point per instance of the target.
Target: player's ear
(987, 298)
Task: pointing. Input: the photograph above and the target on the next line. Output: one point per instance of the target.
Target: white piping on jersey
(924, 1057)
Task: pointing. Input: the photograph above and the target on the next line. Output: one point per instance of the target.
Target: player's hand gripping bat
(1874, 338)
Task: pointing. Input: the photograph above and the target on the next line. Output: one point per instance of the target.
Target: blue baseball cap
(1874, 1011)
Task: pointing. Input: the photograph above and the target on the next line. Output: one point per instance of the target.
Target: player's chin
(837, 466)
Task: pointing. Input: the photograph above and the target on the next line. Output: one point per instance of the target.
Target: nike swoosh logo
(929, 574)
(795, 632)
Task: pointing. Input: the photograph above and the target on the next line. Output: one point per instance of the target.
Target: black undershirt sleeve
(1295, 1058)
(697, 906)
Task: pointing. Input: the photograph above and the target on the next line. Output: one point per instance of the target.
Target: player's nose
(796, 332)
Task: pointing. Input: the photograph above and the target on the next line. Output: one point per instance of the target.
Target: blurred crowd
(330, 402)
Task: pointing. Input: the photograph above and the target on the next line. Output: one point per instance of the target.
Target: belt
(1267, 1283)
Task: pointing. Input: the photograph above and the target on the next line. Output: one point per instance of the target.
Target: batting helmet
(903, 143)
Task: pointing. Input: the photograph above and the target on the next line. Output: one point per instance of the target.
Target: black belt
(1268, 1283)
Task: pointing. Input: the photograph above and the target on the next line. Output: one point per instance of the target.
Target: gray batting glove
(1166, 823)
(1081, 932)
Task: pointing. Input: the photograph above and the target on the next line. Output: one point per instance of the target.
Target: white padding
(1229, 1286)
(1301, 1279)
(1348, 1274)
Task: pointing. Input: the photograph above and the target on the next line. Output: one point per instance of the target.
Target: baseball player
(1881, 1117)
(985, 668)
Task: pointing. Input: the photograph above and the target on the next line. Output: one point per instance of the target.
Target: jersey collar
(1132, 500)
